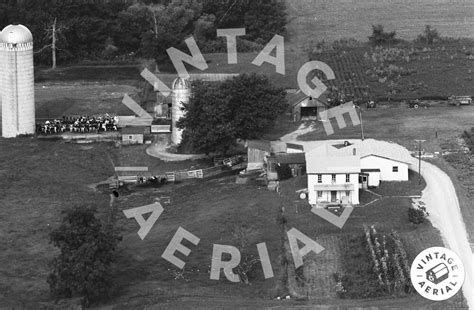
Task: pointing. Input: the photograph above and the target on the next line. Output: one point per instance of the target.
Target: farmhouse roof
(133, 130)
(323, 160)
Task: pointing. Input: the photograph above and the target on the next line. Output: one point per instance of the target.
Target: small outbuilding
(288, 164)
(134, 135)
(304, 107)
(257, 152)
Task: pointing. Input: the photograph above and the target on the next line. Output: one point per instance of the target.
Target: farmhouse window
(130, 137)
(320, 194)
(333, 178)
(320, 178)
(348, 193)
(395, 169)
(348, 178)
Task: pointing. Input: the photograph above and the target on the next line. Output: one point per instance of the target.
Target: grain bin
(181, 89)
(17, 81)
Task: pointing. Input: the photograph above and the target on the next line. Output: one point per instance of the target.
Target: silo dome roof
(16, 34)
(180, 83)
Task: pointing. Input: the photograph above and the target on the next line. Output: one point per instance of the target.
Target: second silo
(17, 81)
(181, 91)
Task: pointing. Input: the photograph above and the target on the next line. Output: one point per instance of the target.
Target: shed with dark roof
(305, 107)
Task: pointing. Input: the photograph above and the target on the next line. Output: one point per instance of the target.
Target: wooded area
(122, 30)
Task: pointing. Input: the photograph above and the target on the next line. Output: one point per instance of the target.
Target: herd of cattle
(78, 124)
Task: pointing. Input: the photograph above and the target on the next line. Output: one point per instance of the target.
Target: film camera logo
(437, 273)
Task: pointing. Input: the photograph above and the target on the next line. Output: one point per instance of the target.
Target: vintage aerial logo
(197, 60)
(437, 273)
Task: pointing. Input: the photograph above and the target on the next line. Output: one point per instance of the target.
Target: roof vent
(354, 151)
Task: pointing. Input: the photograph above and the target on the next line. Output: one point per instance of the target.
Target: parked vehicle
(371, 104)
(459, 100)
(417, 103)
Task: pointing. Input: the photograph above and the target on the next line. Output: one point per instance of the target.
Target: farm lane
(158, 150)
(445, 215)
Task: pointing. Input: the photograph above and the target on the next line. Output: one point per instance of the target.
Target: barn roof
(169, 78)
(290, 158)
(262, 145)
(381, 149)
(294, 146)
(299, 97)
(133, 130)
(124, 121)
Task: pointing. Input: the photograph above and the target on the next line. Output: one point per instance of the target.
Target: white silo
(181, 91)
(17, 88)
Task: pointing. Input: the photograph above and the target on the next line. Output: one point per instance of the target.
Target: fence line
(193, 174)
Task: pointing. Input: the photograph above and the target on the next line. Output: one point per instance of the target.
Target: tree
(52, 32)
(429, 35)
(83, 267)
(380, 37)
(416, 216)
(240, 108)
(263, 19)
(169, 26)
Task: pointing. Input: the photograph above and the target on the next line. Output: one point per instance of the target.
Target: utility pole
(419, 159)
(361, 124)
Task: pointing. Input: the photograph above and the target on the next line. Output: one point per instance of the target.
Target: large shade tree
(219, 114)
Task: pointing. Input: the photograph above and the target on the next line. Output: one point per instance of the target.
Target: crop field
(404, 71)
(311, 21)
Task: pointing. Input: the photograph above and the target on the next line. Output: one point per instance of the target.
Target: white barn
(390, 169)
(387, 157)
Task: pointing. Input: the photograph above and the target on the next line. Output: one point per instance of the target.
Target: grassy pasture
(400, 124)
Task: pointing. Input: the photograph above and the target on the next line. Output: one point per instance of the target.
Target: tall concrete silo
(181, 91)
(17, 81)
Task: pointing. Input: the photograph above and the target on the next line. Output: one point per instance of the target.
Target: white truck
(459, 100)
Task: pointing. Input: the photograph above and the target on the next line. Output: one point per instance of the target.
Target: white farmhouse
(332, 179)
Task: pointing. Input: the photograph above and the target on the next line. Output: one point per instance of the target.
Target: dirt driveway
(445, 214)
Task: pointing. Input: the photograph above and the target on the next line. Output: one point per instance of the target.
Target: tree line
(127, 29)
